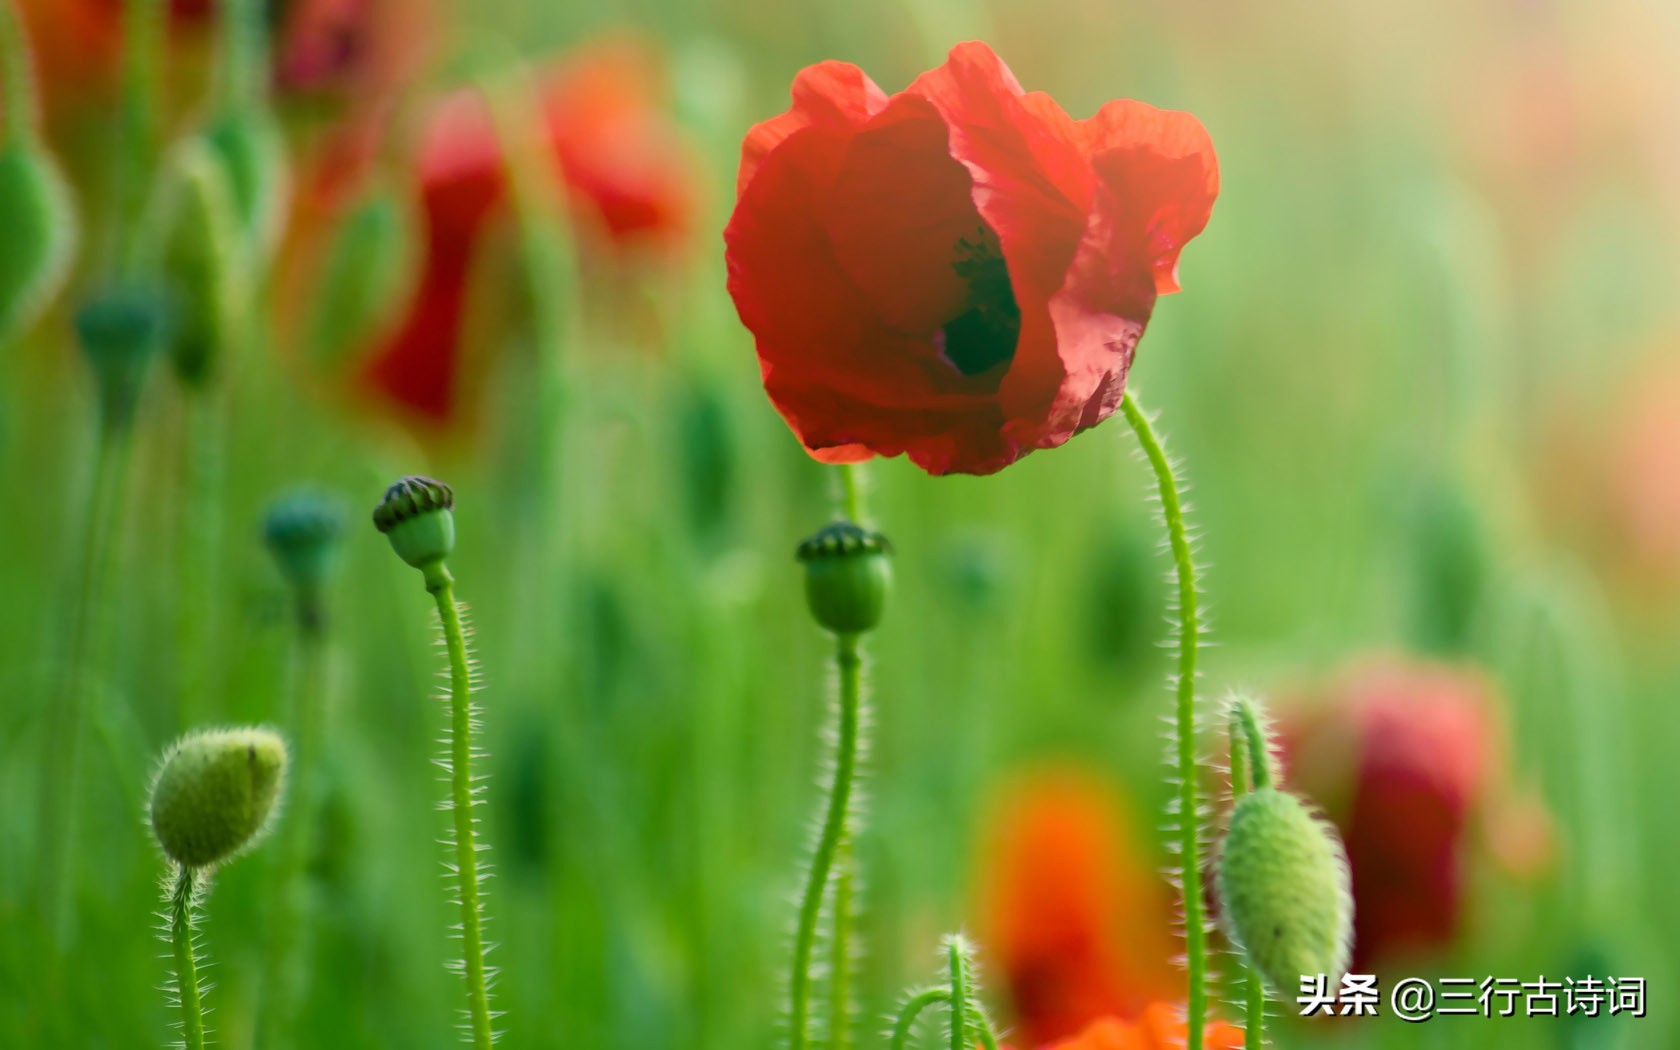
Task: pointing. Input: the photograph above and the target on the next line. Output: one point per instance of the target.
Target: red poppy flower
(1074, 914)
(627, 177)
(960, 272)
(1161, 1027)
(1406, 757)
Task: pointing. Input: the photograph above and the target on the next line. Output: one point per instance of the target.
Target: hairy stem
(181, 904)
(847, 659)
(442, 587)
(959, 995)
(912, 1010)
(840, 945)
(56, 828)
(1189, 632)
(1248, 752)
(17, 78)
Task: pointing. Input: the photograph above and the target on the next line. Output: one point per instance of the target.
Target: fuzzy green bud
(121, 330)
(302, 532)
(253, 153)
(215, 793)
(40, 225)
(1284, 886)
(416, 515)
(846, 576)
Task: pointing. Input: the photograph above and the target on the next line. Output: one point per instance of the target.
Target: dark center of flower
(982, 336)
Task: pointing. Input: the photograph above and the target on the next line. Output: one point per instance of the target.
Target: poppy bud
(120, 330)
(846, 576)
(203, 260)
(254, 156)
(1283, 882)
(360, 279)
(215, 792)
(35, 212)
(416, 515)
(302, 529)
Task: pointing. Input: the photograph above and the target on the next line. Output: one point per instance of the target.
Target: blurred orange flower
(628, 179)
(1074, 913)
(1406, 757)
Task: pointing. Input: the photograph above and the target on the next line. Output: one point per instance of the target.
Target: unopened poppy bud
(203, 258)
(361, 278)
(1284, 886)
(846, 576)
(253, 153)
(215, 793)
(302, 530)
(416, 515)
(121, 330)
(40, 225)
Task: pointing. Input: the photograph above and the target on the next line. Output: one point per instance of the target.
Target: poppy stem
(912, 1010)
(848, 661)
(242, 62)
(1250, 771)
(18, 73)
(462, 791)
(183, 900)
(142, 98)
(1188, 636)
(851, 492)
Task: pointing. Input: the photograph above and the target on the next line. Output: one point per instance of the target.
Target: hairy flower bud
(203, 259)
(846, 576)
(215, 792)
(40, 225)
(416, 515)
(1283, 883)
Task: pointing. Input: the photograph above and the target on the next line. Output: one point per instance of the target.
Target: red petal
(832, 95)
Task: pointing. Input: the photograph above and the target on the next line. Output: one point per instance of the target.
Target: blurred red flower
(627, 176)
(1074, 914)
(960, 272)
(1161, 1027)
(1407, 758)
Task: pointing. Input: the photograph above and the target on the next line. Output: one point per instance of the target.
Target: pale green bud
(215, 793)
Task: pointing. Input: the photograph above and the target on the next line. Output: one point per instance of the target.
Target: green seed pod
(302, 530)
(40, 224)
(253, 153)
(359, 281)
(198, 227)
(121, 329)
(215, 792)
(1283, 883)
(846, 576)
(416, 515)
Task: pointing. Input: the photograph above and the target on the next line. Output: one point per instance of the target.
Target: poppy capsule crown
(1283, 881)
(302, 531)
(416, 515)
(215, 792)
(846, 576)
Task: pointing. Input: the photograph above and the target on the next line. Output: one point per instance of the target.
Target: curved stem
(442, 587)
(1189, 632)
(181, 904)
(847, 659)
(911, 1011)
(17, 77)
(840, 945)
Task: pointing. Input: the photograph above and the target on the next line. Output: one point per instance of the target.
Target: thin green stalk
(243, 46)
(17, 78)
(442, 587)
(840, 945)
(144, 24)
(85, 656)
(959, 995)
(200, 537)
(290, 933)
(1250, 770)
(181, 904)
(1189, 632)
(848, 661)
(851, 492)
